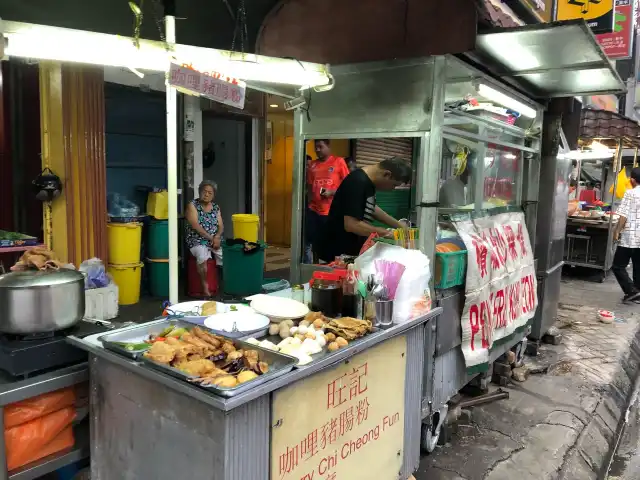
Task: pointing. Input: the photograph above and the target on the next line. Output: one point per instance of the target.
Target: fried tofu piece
(197, 368)
(161, 352)
(184, 351)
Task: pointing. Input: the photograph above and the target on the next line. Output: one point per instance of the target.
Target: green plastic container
(158, 275)
(242, 273)
(451, 268)
(158, 239)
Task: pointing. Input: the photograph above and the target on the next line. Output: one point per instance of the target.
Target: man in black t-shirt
(354, 209)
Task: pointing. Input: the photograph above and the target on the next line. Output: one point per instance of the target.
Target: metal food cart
(148, 424)
(407, 98)
(589, 241)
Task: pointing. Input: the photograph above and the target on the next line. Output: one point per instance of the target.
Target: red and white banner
(501, 290)
(618, 44)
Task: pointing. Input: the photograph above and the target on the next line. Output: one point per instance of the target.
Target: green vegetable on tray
(133, 347)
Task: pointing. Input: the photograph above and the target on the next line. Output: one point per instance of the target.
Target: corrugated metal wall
(370, 151)
(84, 125)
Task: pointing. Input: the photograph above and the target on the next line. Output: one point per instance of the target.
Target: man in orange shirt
(324, 176)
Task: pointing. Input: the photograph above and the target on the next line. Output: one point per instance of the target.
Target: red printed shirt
(328, 175)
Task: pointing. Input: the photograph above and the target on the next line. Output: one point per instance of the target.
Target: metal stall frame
(605, 266)
(380, 99)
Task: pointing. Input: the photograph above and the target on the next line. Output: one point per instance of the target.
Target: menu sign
(344, 423)
(501, 289)
(619, 43)
(597, 13)
(213, 87)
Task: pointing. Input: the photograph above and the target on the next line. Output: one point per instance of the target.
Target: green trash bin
(158, 239)
(242, 272)
(158, 275)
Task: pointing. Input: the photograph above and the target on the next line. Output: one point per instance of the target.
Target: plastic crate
(450, 269)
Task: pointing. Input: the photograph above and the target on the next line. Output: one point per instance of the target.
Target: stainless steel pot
(34, 302)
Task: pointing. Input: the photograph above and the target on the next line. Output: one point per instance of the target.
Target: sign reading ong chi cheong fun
(344, 423)
(501, 289)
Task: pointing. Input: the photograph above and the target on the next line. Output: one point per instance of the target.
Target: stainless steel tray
(279, 364)
(325, 353)
(136, 333)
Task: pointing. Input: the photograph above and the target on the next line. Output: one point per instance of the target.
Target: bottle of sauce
(326, 294)
(350, 295)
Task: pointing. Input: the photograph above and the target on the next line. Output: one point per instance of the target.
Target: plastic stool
(194, 286)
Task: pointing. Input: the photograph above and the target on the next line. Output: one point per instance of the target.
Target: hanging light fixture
(506, 101)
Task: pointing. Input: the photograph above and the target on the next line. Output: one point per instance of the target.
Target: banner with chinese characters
(501, 289)
(343, 423)
(618, 44)
(210, 85)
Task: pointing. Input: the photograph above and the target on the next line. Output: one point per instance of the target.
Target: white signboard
(501, 289)
(193, 82)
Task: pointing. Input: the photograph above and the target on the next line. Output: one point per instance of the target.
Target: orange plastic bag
(40, 437)
(32, 408)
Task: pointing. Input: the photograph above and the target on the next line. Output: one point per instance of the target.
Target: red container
(194, 286)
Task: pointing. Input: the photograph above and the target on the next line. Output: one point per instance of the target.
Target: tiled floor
(594, 347)
(277, 258)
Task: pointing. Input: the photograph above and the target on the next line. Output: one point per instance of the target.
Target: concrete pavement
(564, 421)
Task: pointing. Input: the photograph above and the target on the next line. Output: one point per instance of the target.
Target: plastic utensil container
(450, 269)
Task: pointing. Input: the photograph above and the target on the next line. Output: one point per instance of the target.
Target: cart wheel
(431, 430)
(603, 277)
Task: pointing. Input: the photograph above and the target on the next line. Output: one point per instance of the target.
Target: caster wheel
(431, 431)
(603, 277)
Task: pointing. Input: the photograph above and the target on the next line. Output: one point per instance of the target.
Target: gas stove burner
(27, 337)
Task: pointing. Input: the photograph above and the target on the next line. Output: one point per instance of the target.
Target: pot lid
(35, 278)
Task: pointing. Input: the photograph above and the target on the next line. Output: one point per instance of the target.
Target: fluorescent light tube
(506, 101)
(67, 45)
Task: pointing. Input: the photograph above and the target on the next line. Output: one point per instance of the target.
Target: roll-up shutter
(370, 151)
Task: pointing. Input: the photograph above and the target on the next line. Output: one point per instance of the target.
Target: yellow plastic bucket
(246, 226)
(127, 277)
(124, 242)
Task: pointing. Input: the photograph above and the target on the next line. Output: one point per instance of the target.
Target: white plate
(244, 321)
(277, 308)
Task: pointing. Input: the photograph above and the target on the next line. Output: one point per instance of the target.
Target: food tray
(279, 364)
(325, 353)
(137, 333)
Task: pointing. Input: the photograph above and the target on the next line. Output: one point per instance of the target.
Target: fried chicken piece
(183, 350)
(196, 368)
(228, 347)
(212, 340)
(209, 377)
(202, 347)
(161, 352)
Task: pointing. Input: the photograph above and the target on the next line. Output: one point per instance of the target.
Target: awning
(559, 59)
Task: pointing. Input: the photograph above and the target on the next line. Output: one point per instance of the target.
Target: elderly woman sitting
(204, 230)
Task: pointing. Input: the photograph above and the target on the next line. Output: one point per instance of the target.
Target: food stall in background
(609, 144)
(483, 270)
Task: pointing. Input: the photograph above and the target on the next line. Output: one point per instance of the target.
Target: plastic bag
(623, 184)
(36, 407)
(119, 206)
(95, 275)
(38, 438)
(413, 297)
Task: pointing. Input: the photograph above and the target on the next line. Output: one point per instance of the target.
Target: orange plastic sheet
(31, 408)
(38, 427)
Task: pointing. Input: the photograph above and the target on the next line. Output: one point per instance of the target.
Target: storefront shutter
(370, 151)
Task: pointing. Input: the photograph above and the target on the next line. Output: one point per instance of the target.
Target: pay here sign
(501, 290)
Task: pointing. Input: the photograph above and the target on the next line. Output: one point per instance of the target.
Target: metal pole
(172, 160)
